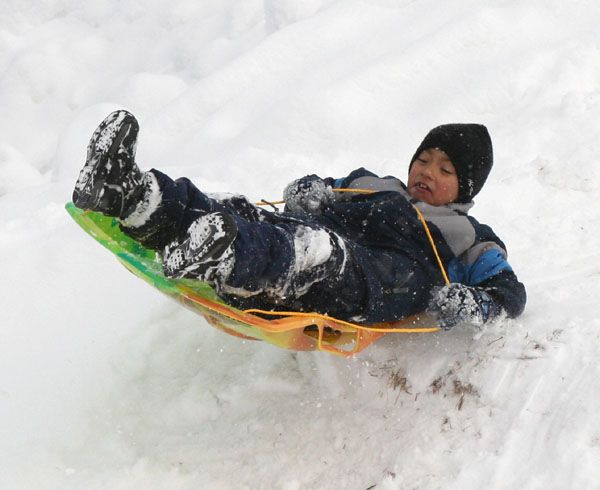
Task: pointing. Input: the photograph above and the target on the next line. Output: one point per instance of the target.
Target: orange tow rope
(435, 250)
(301, 314)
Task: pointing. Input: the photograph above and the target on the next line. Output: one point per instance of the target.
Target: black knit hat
(469, 148)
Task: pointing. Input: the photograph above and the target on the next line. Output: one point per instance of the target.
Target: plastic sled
(289, 330)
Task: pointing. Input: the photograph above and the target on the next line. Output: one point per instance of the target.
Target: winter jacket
(470, 251)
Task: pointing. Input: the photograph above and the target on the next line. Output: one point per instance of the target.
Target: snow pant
(288, 261)
(281, 261)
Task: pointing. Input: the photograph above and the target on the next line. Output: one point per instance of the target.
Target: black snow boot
(207, 251)
(110, 178)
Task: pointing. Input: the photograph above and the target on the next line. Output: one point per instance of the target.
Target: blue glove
(309, 194)
(456, 303)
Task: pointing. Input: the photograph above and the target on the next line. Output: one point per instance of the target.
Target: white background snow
(106, 384)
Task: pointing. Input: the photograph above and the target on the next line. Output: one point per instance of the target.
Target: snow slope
(105, 384)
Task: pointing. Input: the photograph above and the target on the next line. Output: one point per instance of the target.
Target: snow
(105, 384)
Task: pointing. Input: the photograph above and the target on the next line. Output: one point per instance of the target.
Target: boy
(361, 257)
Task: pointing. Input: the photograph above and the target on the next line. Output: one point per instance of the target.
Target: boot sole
(89, 192)
(208, 252)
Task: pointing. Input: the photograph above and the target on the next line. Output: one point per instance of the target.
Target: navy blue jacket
(470, 251)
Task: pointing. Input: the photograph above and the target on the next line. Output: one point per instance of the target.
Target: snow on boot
(319, 255)
(110, 176)
(207, 251)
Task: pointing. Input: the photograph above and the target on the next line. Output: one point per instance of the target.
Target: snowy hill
(105, 384)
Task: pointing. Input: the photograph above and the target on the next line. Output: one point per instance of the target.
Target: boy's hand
(309, 194)
(456, 303)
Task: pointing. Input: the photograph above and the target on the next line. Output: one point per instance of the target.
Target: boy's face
(432, 178)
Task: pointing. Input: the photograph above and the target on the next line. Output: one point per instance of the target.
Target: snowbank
(105, 384)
